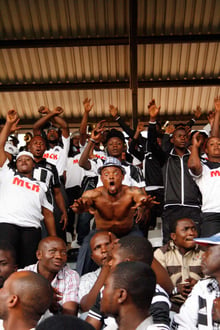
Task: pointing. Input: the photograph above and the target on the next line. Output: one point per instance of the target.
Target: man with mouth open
(113, 204)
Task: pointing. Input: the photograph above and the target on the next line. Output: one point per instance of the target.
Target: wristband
(174, 291)
(92, 140)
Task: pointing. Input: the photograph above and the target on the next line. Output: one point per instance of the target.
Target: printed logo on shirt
(50, 156)
(27, 185)
(215, 173)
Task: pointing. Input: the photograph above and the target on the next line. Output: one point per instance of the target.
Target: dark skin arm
(87, 108)
(61, 204)
(68, 308)
(162, 276)
(216, 121)
(49, 221)
(89, 299)
(10, 125)
(96, 136)
(194, 163)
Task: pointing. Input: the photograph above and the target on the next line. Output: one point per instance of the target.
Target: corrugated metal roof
(46, 74)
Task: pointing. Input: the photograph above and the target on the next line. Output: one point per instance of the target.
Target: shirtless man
(113, 204)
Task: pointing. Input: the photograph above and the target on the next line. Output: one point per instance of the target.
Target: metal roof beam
(25, 87)
(107, 41)
(133, 60)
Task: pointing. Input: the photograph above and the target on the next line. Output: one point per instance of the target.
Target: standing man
(182, 198)
(113, 206)
(56, 153)
(52, 258)
(23, 201)
(206, 173)
(47, 173)
(199, 310)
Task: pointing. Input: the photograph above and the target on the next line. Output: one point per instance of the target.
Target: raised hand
(58, 110)
(87, 105)
(12, 117)
(43, 110)
(197, 112)
(96, 133)
(217, 103)
(153, 110)
(197, 140)
(113, 111)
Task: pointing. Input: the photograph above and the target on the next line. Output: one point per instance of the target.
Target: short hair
(6, 246)
(138, 279)
(137, 248)
(115, 133)
(64, 322)
(174, 224)
(34, 291)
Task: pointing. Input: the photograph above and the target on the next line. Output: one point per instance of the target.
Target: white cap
(25, 153)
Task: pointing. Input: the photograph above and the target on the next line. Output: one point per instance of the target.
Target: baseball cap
(25, 153)
(214, 239)
(54, 128)
(111, 161)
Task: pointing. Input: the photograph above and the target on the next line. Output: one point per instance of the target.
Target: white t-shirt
(209, 185)
(58, 155)
(75, 173)
(21, 199)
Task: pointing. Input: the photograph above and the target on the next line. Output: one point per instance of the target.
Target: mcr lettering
(50, 156)
(25, 184)
(215, 173)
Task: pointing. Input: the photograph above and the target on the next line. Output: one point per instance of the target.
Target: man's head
(179, 138)
(25, 162)
(26, 296)
(115, 142)
(61, 322)
(75, 137)
(132, 285)
(183, 232)
(131, 248)
(52, 135)
(101, 245)
(112, 175)
(211, 257)
(7, 261)
(52, 254)
(37, 146)
(212, 148)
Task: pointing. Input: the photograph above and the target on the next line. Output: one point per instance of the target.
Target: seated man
(67, 322)
(91, 283)
(24, 297)
(199, 309)
(127, 295)
(7, 261)
(181, 257)
(136, 249)
(52, 257)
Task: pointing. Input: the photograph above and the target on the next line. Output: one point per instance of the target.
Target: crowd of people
(105, 190)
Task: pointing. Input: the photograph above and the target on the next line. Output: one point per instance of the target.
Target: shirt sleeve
(187, 318)
(71, 288)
